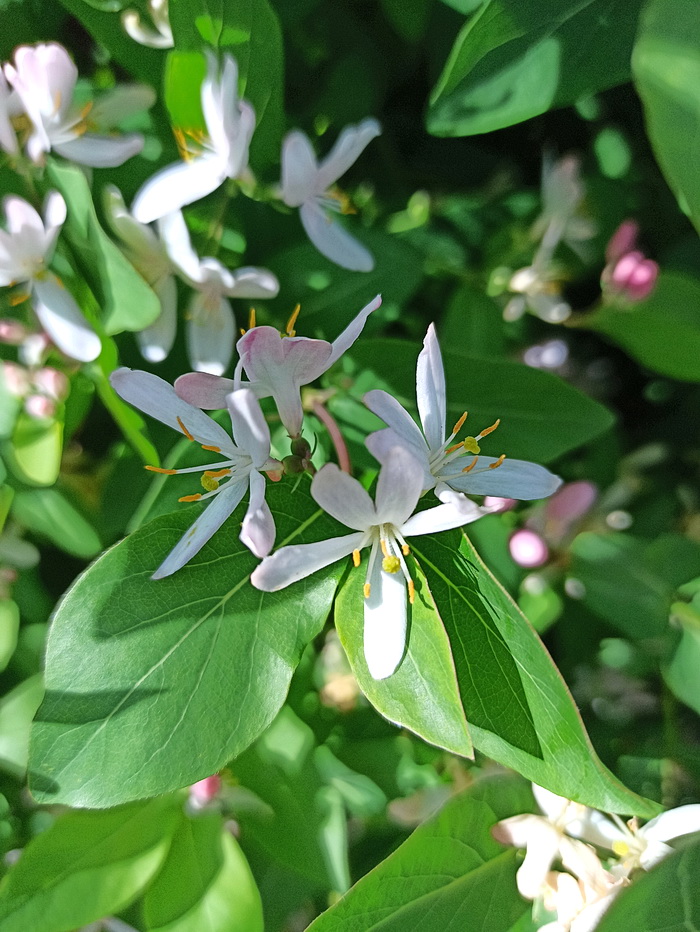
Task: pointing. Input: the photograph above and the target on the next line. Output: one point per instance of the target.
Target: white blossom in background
(536, 289)
(160, 36)
(278, 365)
(308, 185)
(443, 459)
(579, 905)
(10, 107)
(383, 526)
(26, 249)
(44, 78)
(222, 154)
(245, 458)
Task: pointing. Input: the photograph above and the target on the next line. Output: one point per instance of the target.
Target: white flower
(44, 78)
(441, 458)
(306, 183)
(383, 526)
(161, 37)
(25, 253)
(10, 106)
(537, 290)
(277, 365)
(230, 123)
(579, 905)
(226, 481)
(562, 197)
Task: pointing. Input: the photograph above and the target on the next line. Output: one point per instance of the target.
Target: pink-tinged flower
(277, 365)
(25, 253)
(528, 549)
(628, 276)
(158, 37)
(44, 78)
(204, 791)
(443, 459)
(245, 458)
(383, 526)
(230, 122)
(308, 185)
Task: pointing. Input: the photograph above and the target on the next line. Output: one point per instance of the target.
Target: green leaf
(662, 332)
(128, 303)
(9, 407)
(666, 66)
(667, 899)
(450, 874)
(152, 685)
(681, 674)
(512, 61)
(48, 513)
(194, 887)
(86, 866)
(17, 709)
(9, 626)
(34, 453)
(542, 416)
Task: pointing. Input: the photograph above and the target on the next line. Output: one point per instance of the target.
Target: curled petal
(542, 847)
(290, 564)
(332, 241)
(156, 341)
(177, 185)
(343, 497)
(258, 531)
(346, 339)
(249, 282)
(673, 824)
(348, 147)
(384, 632)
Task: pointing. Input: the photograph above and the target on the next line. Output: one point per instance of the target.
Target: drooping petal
(298, 169)
(332, 241)
(258, 531)
(239, 146)
(206, 525)
(63, 320)
(290, 564)
(210, 335)
(348, 147)
(348, 336)
(542, 847)
(250, 429)
(430, 390)
(157, 398)
(398, 487)
(175, 237)
(512, 479)
(343, 497)
(672, 824)
(442, 518)
(384, 632)
(249, 282)
(156, 341)
(381, 443)
(397, 418)
(516, 830)
(204, 390)
(101, 151)
(177, 185)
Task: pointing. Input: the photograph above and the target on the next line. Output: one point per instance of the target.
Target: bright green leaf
(48, 513)
(35, 450)
(9, 626)
(17, 709)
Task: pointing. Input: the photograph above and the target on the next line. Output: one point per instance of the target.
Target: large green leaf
(662, 332)
(667, 899)
(87, 866)
(542, 416)
(128, 303)
(666, 66)
(48, 513)
(513, 60)
(154, 685)
(450, 874)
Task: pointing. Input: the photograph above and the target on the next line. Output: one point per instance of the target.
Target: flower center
(387, 539)
(444, 456)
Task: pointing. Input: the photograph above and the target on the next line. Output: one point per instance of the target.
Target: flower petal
(249, 282)
(343, 497)
(332, 241)
(250, 430)
(398, 487)
(258, 531)
(156, 341)
(348, 147)
(542, 847)
(442, 518)
(298, 169)
(512, 479)
(204, 390)
(157, 398)
(430, 390)
(207, 524)
(210, 335)
(381, 443)
(384, 630)
(673, 824)
(121, 102)
(346, 339)
(101, 151)
(398, 419)
(290, 564)
(63, 320)
(177, 185)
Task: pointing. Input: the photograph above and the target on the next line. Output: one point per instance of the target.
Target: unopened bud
(204, 791)
(528, 549)
(51, 382)
(300, 447)
(293, 465)
(16, 379)
(40, 407)
(12, 332)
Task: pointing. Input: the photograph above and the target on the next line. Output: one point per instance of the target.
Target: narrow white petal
(552, 805)
(381, 443)
(348, 147)
(298, 169)
(516, 830)
(204, 390)
(348, 336)
(156, 341)
(101, 151)
(430, 390)
(54, 211)
(542, 848)
(249, 282)
(175, 237)
(207, 524)
(343, 497)
(250, 429)
(210, 336)
(291, 564)
(177, 185)
(673, 824)
(595, 828)
(63, 320)
(582, 861)
(157, 398)
(398, 487)
(332, 241)
(441, 518)
(512, 479)
(397, 417)
(258, 531)
(22, 218)
(385, 622)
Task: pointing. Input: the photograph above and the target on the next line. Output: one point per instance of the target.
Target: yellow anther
(346, 205)
(290, 331)
(405, 549)
(206, 446)
(57, 98)
(470, 445)
(489, 430)
(218, 473)
(498, 462)
(411, 591)
(382, 544)
(18, 298)
(184, 429)
(458, 426)
(356, 557)
(620, 848)
(191, 498)
(454, 447)
(366, 590)
(251, 318)
(471, 465)
(209, 483)
(164, 472)
(391, 564)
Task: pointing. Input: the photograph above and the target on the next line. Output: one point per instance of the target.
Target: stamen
(184, 429)
(164, 472)
(206, 446)
(471, 465)
(391, 564)
(16, 299)
(454, 447)
(489, 430)
(470, 445)
(191, 498)
(385, 551)
(405, 549)
(366, 590)
(218, 473)
(458, 426)
(292, 320)
(498, 462)
(356, 557)
(251, 318)
(411, 591)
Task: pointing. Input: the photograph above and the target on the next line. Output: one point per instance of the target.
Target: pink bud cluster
(628, 275)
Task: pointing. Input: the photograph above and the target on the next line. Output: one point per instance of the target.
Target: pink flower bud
(623, 240)
(497, 505)
(204, 791)
(12, 332)
(571, 501)
(528, 549)
(635, 276)
(16, 379)
(51, 382)
(40, 407)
